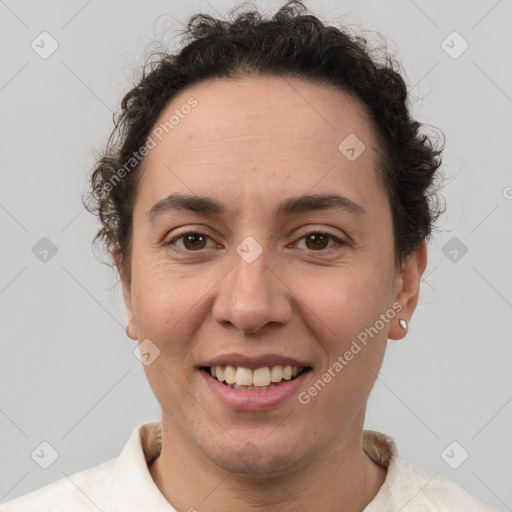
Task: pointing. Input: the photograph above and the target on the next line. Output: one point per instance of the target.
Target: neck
(343, 478)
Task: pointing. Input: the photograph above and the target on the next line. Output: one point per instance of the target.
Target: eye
(318, 241)
(192, 241)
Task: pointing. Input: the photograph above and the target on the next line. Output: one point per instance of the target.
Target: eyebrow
(293, 205)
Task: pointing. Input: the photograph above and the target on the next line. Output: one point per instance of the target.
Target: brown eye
(192, 241)
(318, 241)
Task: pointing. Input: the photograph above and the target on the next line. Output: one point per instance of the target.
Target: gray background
(69, 375)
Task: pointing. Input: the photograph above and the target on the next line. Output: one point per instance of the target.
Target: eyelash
(339, 242)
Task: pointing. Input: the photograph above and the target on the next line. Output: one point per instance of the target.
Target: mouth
(254, 379)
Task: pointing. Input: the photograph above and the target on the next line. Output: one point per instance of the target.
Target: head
(266, 193)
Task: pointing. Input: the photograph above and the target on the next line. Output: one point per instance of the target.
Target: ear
(407, 288)
(131, 330)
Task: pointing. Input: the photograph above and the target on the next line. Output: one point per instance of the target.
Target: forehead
(271, 133)
(264, 107)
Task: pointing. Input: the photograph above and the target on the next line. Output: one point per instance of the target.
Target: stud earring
(403, 324)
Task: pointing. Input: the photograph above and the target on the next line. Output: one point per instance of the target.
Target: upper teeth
(258, 377)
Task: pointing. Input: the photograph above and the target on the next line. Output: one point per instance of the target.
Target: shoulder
(122, 483)
(410, 488)
(83, 491)
(416, 489)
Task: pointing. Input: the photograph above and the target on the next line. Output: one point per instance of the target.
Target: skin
(250, 143)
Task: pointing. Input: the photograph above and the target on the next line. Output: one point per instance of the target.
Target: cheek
(344, 302)
(344, 316)
(167, 304)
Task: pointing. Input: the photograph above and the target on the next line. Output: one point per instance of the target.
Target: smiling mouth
(258, 379)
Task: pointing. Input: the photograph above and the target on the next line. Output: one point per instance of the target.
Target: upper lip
(241, 360)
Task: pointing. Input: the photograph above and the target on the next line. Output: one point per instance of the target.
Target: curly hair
(292, 43)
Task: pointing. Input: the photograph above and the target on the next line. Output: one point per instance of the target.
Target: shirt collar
(138, 489)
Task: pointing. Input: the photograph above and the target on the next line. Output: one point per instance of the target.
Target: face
(240, 269)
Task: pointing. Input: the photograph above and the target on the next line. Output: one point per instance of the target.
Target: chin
(260, 457)
(255, 464)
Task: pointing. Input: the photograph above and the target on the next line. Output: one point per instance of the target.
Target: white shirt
(124, 484)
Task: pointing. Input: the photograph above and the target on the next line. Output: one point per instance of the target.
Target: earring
(403, 324)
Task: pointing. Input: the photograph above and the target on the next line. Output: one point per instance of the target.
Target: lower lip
(254, 400)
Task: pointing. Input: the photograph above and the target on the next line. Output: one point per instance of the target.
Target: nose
(252, 295)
